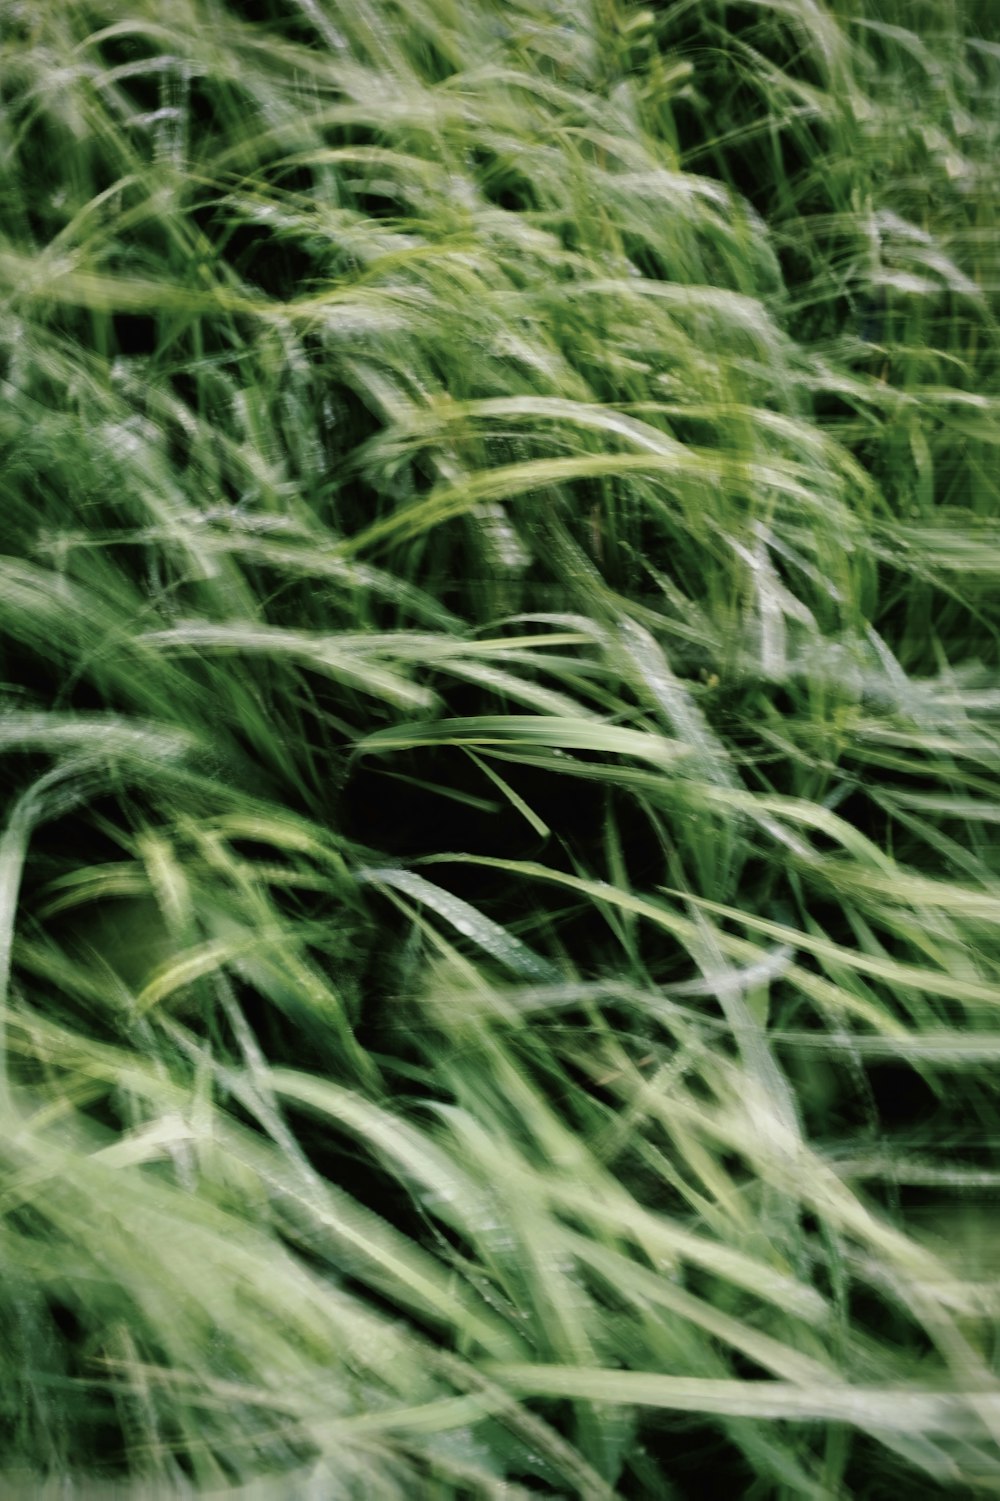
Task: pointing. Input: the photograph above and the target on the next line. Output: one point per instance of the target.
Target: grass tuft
(499, 903)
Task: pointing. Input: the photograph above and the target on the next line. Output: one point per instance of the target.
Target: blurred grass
(499, 901)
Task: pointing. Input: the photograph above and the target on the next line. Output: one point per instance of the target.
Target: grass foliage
(499, 891)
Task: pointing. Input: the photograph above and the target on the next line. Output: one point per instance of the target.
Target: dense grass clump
(499, 886)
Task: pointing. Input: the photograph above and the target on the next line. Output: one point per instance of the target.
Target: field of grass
(500, 728)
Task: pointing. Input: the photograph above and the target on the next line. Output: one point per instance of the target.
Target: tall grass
(499, 896)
